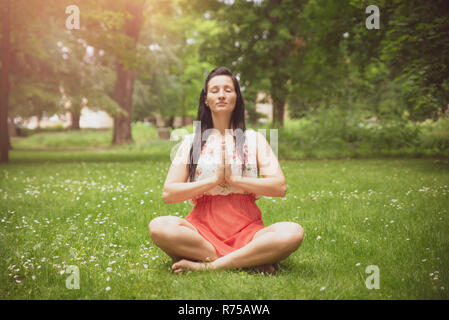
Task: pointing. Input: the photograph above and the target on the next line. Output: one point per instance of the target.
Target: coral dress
(226, 216)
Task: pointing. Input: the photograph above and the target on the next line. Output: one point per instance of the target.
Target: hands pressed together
(224, 170)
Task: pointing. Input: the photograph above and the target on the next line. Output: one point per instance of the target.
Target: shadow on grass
(287, 268)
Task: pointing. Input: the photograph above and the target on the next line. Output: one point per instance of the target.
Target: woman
(217, 169)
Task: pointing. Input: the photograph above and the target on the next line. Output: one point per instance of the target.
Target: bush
(435, 135)
(335, 133)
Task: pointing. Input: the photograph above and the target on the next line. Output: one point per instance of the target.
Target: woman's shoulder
(251, 136)
(250, 132)
(188, 138)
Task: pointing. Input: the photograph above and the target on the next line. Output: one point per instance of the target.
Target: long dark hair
(205, 117)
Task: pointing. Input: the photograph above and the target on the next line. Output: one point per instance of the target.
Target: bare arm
(176, 186)
(272, 183)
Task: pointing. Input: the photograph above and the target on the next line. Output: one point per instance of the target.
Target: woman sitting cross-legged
(217, 168)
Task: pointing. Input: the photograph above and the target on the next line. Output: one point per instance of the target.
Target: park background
(363, 139)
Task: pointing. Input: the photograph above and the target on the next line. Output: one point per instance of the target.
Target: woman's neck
(221, 123)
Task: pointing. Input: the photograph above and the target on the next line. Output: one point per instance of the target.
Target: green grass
(91, 209)
(82, 139)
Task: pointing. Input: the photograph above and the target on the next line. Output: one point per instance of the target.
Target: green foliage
(311, 54)
(331, 133)
(417, 51)
(172, 73)
(402, 66)
(258, 41)
(435, 135)
(30, 97)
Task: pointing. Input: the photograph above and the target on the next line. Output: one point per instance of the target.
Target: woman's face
(221, 95)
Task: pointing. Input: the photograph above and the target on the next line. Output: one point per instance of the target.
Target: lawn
(91, 209)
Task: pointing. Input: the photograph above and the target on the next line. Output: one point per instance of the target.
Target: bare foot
(185, 265)
(189, 265)
(266, 268)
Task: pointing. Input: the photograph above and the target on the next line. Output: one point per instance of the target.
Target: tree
(259, 41)
(4, 81)
(33, 98)
(403, 65)
(416, 50)
(24, 36)
(125, 72)
(85, 77)
(171, 73)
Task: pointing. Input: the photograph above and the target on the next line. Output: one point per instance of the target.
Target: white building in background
(95, 119)
(89, 119)
(264, 106)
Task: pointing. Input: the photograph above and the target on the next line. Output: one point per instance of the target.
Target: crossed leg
(268, 246)
(180, 239)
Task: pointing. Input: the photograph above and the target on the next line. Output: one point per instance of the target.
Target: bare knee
(161, 227)
(291, 236)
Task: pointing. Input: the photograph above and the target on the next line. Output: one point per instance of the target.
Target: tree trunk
(279, 92)
(11, 131)
(170, 121)
(75, 120)
(444, 109)
(125, 77)
(123, 96)
(5, 143)
(278, 112)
